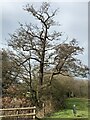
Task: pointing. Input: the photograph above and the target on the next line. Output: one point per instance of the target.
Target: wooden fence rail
(17, 111)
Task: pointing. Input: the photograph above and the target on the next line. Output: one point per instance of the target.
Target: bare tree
(38, 47)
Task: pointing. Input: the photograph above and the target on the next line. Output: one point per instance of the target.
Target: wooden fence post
(34, 111)
(17, 113)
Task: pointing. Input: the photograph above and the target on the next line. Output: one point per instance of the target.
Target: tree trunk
(41, 73)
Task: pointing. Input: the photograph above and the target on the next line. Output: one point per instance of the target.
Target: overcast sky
(73, 17)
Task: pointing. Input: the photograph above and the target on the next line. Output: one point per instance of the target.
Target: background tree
(38, 50)
(8, 72)
(6, 78)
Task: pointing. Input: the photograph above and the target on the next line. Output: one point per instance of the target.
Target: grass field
(81, 105)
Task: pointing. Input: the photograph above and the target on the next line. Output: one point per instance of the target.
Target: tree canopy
(37, 50)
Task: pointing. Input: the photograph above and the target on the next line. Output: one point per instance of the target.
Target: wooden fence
(8, 112)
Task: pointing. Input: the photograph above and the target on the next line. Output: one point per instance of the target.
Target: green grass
(81, 105)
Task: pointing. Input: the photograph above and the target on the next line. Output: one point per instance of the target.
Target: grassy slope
(82, 109)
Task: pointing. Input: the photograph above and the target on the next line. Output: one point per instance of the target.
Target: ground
(81, 105)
